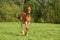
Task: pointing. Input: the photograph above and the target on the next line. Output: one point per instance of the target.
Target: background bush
(43, 11)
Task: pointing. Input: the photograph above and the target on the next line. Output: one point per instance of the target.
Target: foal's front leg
(27, 27)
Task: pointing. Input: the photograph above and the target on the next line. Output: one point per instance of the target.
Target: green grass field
(38, 31)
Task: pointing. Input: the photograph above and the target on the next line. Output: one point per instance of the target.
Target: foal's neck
(28, 12)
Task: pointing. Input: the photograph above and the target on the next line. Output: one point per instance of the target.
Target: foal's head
(28, 9)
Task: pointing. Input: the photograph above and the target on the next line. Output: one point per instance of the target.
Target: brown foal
(25, 18)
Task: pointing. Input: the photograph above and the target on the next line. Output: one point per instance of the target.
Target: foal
(25, 18)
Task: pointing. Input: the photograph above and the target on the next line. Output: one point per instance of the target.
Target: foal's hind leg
(27, 27)
(22, 26)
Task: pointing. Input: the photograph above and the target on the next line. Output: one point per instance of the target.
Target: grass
(38, 31)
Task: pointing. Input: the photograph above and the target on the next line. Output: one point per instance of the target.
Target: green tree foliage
(45, 11)
(9, 10)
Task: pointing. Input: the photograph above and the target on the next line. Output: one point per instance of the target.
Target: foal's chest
(25, 17)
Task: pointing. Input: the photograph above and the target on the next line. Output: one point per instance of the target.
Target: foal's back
(25, 17)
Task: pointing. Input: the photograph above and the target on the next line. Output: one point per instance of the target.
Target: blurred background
(43, 11)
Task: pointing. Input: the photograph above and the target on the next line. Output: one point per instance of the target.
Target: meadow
(37, 31)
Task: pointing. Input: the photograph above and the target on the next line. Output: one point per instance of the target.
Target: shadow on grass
(11, 33)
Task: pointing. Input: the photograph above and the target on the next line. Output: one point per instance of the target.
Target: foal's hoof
(23, 33)
(26, 34)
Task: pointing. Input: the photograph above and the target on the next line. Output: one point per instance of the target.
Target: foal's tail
(20, 17)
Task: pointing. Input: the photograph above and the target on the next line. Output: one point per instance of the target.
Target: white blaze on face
(29, 9)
